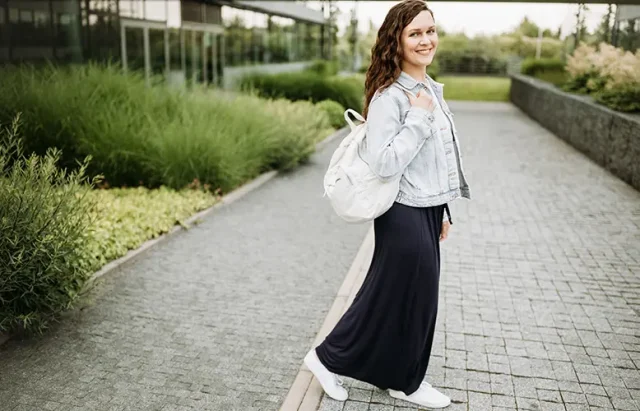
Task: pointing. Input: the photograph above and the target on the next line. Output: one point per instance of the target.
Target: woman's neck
(417, 72)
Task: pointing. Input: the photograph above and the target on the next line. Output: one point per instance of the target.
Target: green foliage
(533, 67)
(584, 83)
(622, 98)
(459, 54)
(324, 68)
(156, 136)
(335, 112)
(550, 70)
(476, 88)
(44, 217)
(124, 218)
(434, 69)
(306, 86)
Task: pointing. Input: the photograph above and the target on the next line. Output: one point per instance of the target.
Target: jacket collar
(408, 82)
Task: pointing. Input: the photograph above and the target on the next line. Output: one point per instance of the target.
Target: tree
(581, 26)
(353, 37)
(527, 28)
(603, 32)
(629, 36)
(332, 28)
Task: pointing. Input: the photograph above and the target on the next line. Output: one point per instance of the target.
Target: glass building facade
(179, 41)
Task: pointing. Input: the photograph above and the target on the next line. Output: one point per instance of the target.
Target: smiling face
(419, 41)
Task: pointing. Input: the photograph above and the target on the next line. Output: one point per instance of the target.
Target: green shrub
(324, 68)
(44, 217)
(124, 218)
(533, 67)
(306, 86)
(584, 83)
(156, 136)
(434, 70)
(622, 98)
(335, 112)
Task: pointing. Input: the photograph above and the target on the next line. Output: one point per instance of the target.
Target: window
(300, 35)
(134, 39)
(105, 6)
(235, 35)
(132, 8)
(212, 14)
(192, 11)
(3, 25)
(260, 37)
(67, 37)
(4, 38)
(103, 37)
(277, 40)
(248, 49)
(30, 27)
(175, 52)
(312, 41)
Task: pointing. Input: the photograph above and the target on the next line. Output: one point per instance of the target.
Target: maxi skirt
(385, 336)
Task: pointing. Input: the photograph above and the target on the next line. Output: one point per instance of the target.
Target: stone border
(305, 393)
(227, 199)
(608, 137)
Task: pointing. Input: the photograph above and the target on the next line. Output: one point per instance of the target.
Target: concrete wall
(610, 138)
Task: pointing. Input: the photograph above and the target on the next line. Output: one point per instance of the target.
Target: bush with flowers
(611, 75)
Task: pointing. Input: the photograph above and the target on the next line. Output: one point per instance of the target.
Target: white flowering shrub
(610, 74)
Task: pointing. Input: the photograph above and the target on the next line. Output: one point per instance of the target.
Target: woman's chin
(426, 61)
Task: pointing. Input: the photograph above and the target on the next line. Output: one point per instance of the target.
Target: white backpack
(355, 192)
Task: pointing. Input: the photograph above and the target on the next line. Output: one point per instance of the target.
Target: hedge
(156, 136)
(306, 86)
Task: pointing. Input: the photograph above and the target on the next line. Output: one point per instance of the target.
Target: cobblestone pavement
(540, 282)
(216, 318)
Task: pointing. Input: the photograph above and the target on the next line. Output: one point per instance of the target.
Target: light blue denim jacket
(402, 139)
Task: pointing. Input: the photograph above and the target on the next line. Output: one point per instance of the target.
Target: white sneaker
(331, 383)
(426, 395)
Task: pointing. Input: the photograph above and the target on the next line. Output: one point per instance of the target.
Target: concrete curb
(305, 393)
(225, 200)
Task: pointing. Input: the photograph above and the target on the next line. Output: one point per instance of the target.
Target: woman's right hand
(422, 100)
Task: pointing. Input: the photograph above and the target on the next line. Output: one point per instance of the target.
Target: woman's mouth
(424, 52)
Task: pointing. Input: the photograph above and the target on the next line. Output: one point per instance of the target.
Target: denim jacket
(402, 139)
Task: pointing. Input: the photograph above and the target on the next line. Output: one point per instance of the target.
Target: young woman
(386, 335)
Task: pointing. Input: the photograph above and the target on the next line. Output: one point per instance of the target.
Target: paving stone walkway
(216, 318)
(540, 295)
(540, 283)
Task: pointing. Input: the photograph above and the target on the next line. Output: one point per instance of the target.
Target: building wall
(203, 44)
(627, 12)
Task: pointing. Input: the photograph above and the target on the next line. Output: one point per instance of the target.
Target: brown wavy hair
(386, 54)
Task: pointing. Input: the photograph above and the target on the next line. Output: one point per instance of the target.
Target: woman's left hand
(445, 230)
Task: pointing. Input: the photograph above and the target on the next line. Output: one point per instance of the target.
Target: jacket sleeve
(391, 145)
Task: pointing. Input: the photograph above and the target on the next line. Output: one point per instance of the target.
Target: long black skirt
(385, 336)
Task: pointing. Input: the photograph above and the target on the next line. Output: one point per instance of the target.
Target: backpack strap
(355, 114)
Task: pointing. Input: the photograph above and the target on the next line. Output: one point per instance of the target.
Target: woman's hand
(423, 100)
(444, 232)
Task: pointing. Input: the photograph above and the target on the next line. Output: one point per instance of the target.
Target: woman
(385, 337)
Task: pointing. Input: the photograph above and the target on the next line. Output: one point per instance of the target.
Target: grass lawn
(475, 88)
